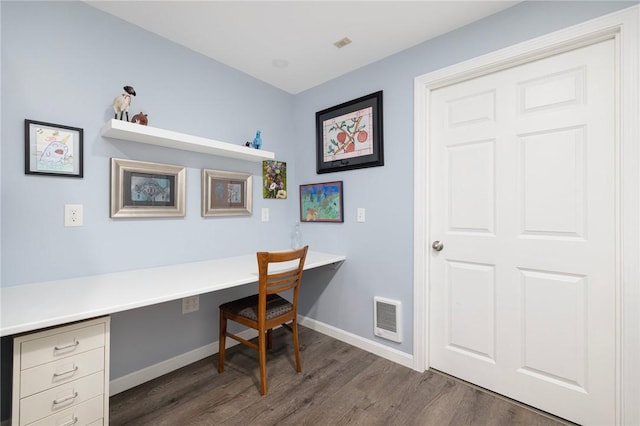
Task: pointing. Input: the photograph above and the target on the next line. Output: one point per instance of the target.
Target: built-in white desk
(35, 306)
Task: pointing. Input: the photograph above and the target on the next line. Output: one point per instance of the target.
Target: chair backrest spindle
(279, 281)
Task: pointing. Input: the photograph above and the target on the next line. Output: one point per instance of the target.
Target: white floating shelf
(133, 132)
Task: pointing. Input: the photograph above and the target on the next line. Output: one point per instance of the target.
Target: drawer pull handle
(71, 371)
(71, 422)
(67, 346)
(65, 399)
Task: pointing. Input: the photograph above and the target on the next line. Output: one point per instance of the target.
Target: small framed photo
(52, 149)
(226, 193)
(321, 202)
(142, 189)
(349, 135)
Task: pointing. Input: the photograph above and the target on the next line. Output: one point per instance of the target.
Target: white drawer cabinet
(61, 375)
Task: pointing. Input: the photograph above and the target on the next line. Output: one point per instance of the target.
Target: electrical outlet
(73, 215)
(190, 304)
(360, 214)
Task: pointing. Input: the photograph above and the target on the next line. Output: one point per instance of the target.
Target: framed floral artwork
(274, 178)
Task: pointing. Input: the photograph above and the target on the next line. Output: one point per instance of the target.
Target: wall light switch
(360, 214)
(265, 214)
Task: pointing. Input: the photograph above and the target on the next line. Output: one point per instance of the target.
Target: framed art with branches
(349, 136)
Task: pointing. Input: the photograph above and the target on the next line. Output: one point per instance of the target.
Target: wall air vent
(386, 319)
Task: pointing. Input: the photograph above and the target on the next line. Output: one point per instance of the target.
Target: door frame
(622, 27)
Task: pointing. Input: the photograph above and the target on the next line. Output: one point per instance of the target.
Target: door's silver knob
(437, 246)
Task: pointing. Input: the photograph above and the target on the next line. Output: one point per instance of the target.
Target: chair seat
(248, 306)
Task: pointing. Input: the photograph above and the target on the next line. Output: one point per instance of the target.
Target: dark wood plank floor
(339, 385)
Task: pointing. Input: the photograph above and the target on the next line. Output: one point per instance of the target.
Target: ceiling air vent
(342, 42)
(386, 319)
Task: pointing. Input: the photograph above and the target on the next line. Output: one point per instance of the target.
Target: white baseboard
(139, 377)
(371, 346)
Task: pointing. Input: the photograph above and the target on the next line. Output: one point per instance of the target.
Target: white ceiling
(259, 37)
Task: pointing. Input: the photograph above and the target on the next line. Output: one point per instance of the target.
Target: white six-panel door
(523, 186)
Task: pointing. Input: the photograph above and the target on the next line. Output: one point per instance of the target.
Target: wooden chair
(267, 309)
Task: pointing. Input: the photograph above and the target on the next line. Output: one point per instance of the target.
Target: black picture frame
(53, 149)
(350, 135)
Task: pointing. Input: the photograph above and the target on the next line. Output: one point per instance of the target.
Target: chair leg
(222, 338)
(262, 349)
(296, 348)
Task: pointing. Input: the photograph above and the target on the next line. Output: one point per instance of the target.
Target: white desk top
(30, 307)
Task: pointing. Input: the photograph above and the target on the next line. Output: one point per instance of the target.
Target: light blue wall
(63, 62)
(380, 251)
